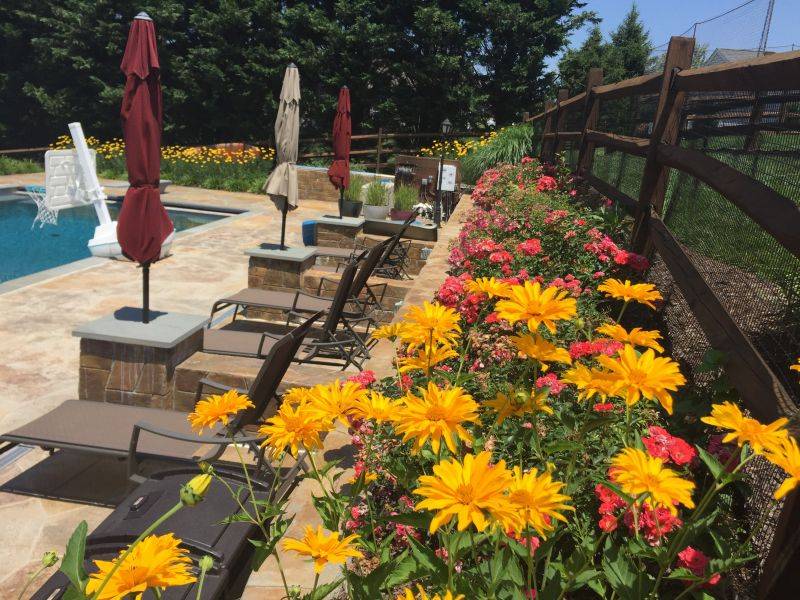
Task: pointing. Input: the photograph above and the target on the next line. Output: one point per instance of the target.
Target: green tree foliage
(625, 55)
(408, 63)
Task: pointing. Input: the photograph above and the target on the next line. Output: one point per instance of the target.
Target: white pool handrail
(104, 243)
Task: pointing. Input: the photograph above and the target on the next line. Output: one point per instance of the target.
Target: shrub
(16, 166)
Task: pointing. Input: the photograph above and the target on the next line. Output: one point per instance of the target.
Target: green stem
(622, 311)
(200, 581)
(31, 579)
(531, 579)
(124, 555)
(280, 570)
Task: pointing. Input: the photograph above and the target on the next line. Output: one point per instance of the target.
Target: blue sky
(739, 29)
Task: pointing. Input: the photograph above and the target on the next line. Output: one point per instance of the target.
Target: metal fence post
(666, 125)
(544, 149)
(378, 151)
(591, 112)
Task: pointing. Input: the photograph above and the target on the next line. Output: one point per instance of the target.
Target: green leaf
(420, 520)
(72, 563)
(323, 590)
(714, 466)
(73, 594)
(618, 570)
(265, 547)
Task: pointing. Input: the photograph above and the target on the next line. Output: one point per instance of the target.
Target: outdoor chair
(329, 345)
(139, 433)
(362, 298)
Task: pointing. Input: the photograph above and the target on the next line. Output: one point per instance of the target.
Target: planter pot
(376, 213)
(351, 209)
(401, 215)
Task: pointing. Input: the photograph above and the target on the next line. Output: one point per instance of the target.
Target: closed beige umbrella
(281, 185)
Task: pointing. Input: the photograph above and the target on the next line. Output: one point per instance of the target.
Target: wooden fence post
(561, 117)
(591, 111)
(666, 125)
(378, 151)
(544, 148)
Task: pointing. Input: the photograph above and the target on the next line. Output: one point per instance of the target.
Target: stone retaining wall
(313, 184)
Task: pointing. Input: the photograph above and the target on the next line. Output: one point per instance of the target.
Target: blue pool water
(25, 250)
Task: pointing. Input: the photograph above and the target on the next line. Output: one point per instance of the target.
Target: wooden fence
(776, 214)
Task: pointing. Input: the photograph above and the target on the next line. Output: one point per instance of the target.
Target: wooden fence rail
(761, 83)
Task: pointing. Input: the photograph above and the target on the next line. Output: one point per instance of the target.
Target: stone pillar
(125, 361)
(278, 270)
(338, 233)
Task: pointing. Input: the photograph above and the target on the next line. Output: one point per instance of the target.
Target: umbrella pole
(341, 201)
(146, 293)
(283, 223)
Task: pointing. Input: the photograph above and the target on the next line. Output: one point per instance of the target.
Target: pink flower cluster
(569, 283)
(697, 562)
(552, 382)
(661, 444)
(652, 524)
(604, 248)
(545, 183)
(554, 216)
(363, 378)
(530, 247)
(598, 346)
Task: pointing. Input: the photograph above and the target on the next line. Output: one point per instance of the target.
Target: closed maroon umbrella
(143, 223)
(339, 172)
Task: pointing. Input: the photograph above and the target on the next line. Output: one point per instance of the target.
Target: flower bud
(193, 492)
(49, 558)
(205, 563)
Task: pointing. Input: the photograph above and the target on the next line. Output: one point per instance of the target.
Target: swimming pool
(25, 250)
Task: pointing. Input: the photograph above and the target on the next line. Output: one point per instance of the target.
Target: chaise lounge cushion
(106, 428)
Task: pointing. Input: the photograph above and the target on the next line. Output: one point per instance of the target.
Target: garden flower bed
(536, 441)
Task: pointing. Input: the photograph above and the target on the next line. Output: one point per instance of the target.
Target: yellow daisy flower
(590, 382)
(529, 303)
(637, 473)
(376, 407)
(489, 286)
(408, 594)
(157, 561)
(431, 323)
(537, 348)
(787, 457)
(425, 358)
(335, 400)
(643, 375)
(538, 499)
(438, 414)
(472, 490)
(294, 426)
(518, 403)
(217, 409)
(387, 332)
(323, 548)
(643, 293)
(635, 337)
(746, 430)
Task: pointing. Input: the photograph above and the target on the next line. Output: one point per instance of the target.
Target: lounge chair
(362, 297)
(329, 345)
(392, 263)
(140, 433)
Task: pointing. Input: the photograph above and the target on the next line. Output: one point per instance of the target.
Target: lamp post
(447, 126)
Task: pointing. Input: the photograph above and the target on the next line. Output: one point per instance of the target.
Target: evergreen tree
(409, 63)
(629, 50)
(575, 63)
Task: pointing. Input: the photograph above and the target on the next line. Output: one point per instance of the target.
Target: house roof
(726, 55)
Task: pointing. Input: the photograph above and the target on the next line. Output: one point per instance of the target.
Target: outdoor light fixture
(447, 127)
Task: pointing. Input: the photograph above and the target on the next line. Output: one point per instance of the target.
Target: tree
(629, 50)
(409, 63)
(575, 63)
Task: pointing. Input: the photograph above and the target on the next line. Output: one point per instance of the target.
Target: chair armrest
(215, 385)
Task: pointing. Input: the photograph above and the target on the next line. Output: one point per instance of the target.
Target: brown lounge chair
(329, 345)
(392, 263)
(362, 298)
(140, 433)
